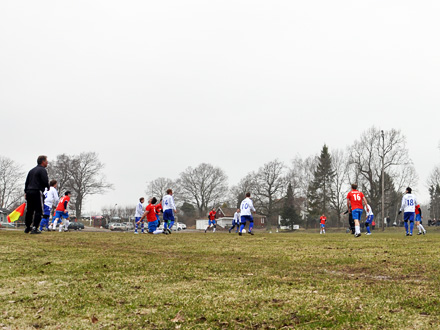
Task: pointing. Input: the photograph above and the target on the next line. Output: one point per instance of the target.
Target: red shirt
(322, 220)
(417, 209)
(212, 215)
(158, 208)
(60, 206)
(355, 198)
(151, 215)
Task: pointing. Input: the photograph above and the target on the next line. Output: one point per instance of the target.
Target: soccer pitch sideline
(82, 280)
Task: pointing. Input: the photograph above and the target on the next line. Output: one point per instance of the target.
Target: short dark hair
(409, 190)
(67, 193)
(169, 191)
(52, 183)
(154, 200)
(41, 159)
(141, 199)
(354, 186)
(248, 194)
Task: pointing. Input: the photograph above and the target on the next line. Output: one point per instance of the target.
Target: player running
(419, 217)
(323, 219)
(356, 202)
(150, 214)
(168, 211)
(61, 212)
(246, 208)
(138, 216)
(50, 198)
(211, 221)
(408, 207)
(370, 218)
(158, 211)
(236, 221)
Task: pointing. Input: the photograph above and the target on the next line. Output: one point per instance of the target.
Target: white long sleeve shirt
(246, 207)
(409, 203)
(237, 216)
(369, 212)
(51, 197)
(168, 203)
(139, 210)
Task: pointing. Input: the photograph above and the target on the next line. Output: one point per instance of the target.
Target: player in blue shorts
(246, 208)
(236, 221)
(211, 221)
(50, 198)
(369, 220)
(168, 211)
(408, 207)
(138, 215)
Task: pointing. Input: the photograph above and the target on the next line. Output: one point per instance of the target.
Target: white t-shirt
(237, 216)
(409, 203)
(246, 207)
(370, 212)
(168, 203)
(51, 197)
(139, 210)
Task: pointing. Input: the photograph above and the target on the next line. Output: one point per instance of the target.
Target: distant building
(4, 214)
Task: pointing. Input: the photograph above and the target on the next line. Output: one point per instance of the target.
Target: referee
(36, 181)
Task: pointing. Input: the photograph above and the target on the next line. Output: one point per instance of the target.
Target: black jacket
(37, 179)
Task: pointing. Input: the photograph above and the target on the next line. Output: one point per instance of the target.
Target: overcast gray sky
(157, 86)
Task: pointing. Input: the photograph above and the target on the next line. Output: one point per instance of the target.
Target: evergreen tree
(289, 216)
(320, 190)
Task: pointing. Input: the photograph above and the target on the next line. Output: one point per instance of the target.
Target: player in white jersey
(370, 217)
(51, 198)
(408, 207)
(169, 208)
(246, 208)
(138, 215)
(236, 221)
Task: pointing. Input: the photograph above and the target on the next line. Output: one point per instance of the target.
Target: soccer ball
(244, 231)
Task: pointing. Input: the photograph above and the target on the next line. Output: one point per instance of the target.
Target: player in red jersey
(211, 221)
(419, 217)
(61, 212)
(356, 202)
(322, 219)
(158, 211)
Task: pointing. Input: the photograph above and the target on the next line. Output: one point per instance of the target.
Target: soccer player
(323, 218)
(419, 217)
(369, 220)
(158, 210)
(150, 214)
(211, 221)
(168, 211)
(246, 208)
(61, 212)
(236, 221)
(356, 202)
(50, 198)
(408, 207)
(138, 216)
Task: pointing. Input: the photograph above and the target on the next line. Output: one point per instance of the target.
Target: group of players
(61, 215)
(151, 213)
(356, 204)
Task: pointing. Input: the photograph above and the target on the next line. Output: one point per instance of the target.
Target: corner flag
(17, 213)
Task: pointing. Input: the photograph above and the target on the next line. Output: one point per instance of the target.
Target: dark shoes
(35, 231)
(249, 232)
(27, 230)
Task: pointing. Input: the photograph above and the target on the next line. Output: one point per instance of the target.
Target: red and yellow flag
(17, 213)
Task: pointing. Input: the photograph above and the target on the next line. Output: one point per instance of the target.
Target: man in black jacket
(36, 181)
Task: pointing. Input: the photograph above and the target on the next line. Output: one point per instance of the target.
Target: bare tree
(203, 186)
(159, 186)
(58, 169)
(82, 174)
(338, 197)
(11, 183)
(270, 184)
(366, 157)
(238, 192)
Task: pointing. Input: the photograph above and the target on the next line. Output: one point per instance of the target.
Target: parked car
(117, 226)
(129, 225)
(76, 226)
(178, 226)
(7, 225)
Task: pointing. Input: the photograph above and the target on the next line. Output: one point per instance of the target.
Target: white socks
(421, 228)
(357, 229)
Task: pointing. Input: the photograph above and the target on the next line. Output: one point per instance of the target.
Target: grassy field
(80, 280)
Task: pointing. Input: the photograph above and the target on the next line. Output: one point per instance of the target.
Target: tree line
(299, 192)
